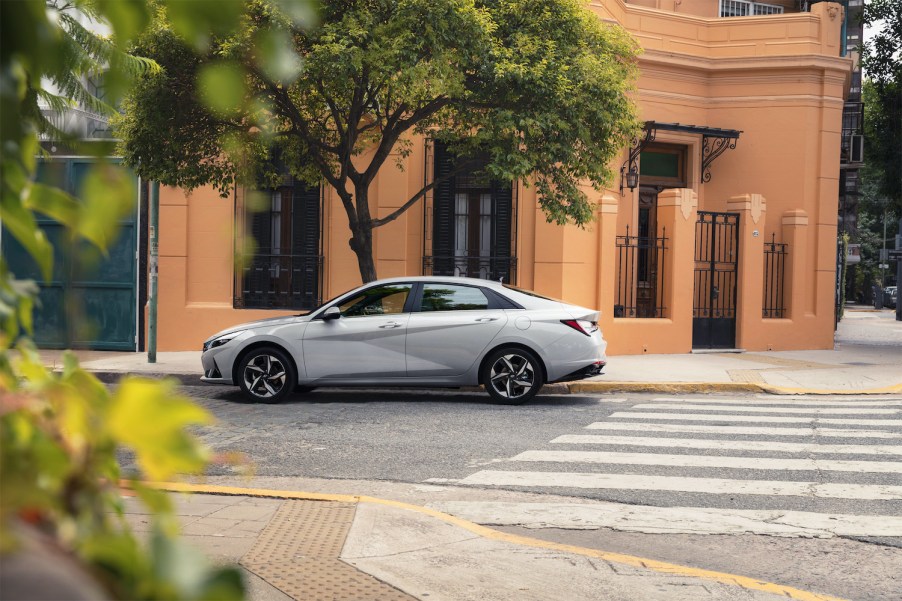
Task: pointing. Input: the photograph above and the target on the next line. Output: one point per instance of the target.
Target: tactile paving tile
(746, 375)
(783, 362)
(298, 554)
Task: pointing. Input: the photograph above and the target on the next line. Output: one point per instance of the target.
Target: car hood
(262, 323)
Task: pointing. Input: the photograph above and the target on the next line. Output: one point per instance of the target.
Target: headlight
(225, 338)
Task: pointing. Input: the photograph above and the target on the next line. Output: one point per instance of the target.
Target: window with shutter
(473, 221)
(285, 270)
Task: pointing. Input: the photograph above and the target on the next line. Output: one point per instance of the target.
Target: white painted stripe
(870, 492)
(672, 520)
(795, 410)
(701, 429)
(743, 463)
(729, 445)
(782, 401)
(774, 419)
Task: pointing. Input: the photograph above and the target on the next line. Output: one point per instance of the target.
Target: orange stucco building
(723, 236)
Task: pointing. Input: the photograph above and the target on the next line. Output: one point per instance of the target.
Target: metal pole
(899, 273)
(154, 251)
(882, 263)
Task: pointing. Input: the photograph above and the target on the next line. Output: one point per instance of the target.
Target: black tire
(512, 375)
(266, 375)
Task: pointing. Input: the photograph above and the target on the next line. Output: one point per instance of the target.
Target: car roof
(443, 279)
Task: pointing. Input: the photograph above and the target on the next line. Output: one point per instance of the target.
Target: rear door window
(448, 297)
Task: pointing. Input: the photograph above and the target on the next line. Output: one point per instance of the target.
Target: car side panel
(448, 343)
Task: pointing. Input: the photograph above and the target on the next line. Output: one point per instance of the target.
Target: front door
(367, 341)
(714, 301)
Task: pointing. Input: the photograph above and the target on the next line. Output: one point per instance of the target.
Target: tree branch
(413, 199)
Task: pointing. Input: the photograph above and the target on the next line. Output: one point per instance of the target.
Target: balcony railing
(741, 8)
(279, 282)
(487, 268)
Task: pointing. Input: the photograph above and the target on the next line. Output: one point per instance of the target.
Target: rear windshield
(531, 293)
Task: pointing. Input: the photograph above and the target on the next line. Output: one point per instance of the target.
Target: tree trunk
(362, 244)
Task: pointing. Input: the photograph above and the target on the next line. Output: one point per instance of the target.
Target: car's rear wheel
(512, 375)
(266, 375)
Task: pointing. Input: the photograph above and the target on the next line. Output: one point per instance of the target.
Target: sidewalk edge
(743, 582)
(720, 387)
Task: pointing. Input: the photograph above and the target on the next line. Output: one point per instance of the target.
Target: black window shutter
(305, 234)
(443, 214)
(502, 209)
(257, 281)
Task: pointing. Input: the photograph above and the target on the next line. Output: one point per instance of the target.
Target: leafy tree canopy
(882, 89)
(539, 87)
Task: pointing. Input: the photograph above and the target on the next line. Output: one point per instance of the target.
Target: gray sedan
(413, 331)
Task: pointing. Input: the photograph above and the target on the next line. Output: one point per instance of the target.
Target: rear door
(449, 329)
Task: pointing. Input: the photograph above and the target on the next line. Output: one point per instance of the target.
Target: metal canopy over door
(90, 302)
(714, 301)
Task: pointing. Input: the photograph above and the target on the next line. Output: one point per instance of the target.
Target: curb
(720, 387)
(661, 567)
(111, 377)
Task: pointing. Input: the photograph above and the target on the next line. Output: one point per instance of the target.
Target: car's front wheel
(266, 375)
(512, 375)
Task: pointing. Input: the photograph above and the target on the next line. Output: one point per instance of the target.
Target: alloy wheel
(264, 376)
(512, 376)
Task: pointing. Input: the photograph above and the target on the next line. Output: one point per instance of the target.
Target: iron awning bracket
(714, 142)
(714, 145)
(639, 144)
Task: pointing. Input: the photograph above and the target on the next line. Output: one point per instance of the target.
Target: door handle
(486, 319)
(389, 325)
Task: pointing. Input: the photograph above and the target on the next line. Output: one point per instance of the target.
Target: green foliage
(882, 93)
(540, 87)
(61, 431)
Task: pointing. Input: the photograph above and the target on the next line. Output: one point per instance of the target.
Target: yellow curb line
(485, 532)
(705, 387)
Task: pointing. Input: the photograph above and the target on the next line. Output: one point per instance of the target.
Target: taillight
(581, 325)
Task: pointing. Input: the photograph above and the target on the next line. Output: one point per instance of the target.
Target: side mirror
(331, 313)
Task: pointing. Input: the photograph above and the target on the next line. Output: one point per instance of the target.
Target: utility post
(899, 272)
(154, 253)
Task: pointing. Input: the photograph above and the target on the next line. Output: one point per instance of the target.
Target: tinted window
(380, 300)
(445, 297)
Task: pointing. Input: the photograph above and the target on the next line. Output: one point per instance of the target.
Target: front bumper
(213, 370)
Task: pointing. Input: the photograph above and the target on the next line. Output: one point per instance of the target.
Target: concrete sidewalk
(866, 359)
(321, 546)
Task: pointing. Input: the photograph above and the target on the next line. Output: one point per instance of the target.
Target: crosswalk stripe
(829, 465)
(870, 492)
(781, 401)
(751, 409)
(775, 419)
(701, 429)
(672, 520)
(732, 445)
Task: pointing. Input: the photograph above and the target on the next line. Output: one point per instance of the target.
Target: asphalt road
(759, 490)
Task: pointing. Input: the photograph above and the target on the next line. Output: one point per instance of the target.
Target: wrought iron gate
(714, 301)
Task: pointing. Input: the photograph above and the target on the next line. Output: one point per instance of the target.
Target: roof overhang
(715, 141)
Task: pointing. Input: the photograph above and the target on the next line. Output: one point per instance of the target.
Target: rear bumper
(593, 369)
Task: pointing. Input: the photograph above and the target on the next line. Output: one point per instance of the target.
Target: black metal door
(714, 304)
